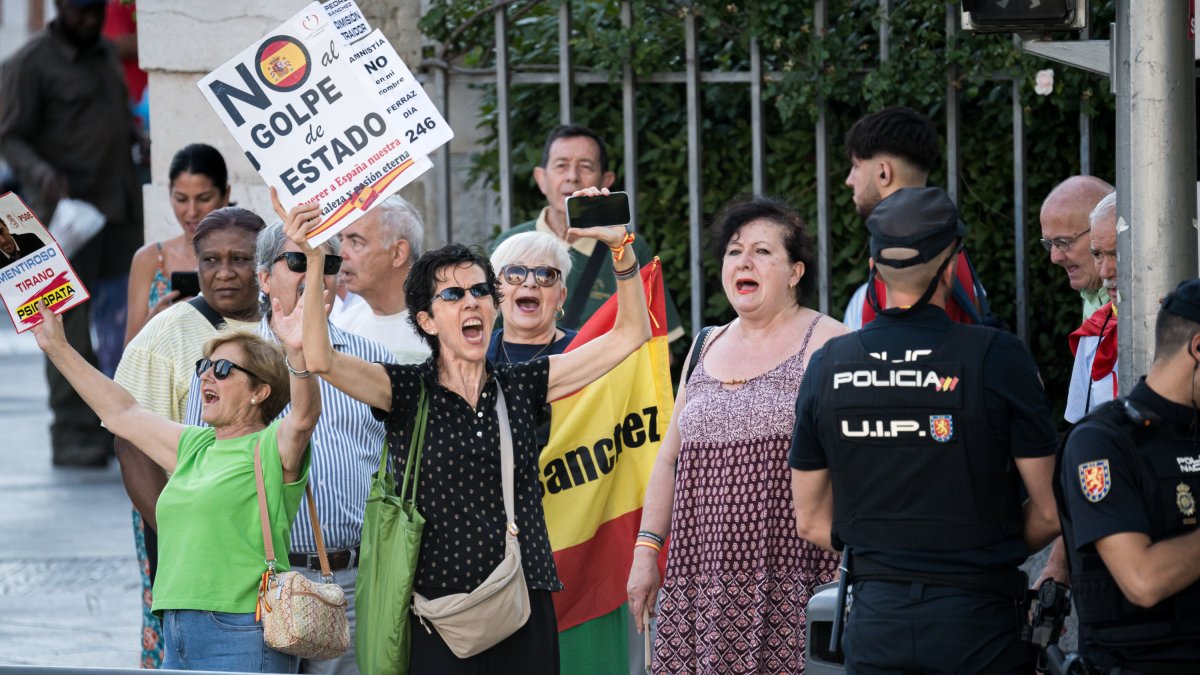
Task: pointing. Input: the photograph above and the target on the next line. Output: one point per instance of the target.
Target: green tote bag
(391, 539)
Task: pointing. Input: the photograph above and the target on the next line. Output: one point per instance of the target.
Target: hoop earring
(559, 313)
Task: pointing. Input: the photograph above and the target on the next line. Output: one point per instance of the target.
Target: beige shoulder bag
(473, 622)
(299, 617)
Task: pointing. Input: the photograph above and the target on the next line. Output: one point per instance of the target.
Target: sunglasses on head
(456, 293)
(298, 262)
(221, 368)
(543, 275)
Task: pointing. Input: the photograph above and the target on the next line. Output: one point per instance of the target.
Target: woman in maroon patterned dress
(738, 575)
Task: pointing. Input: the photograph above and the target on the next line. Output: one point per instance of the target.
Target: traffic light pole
(1156, 169)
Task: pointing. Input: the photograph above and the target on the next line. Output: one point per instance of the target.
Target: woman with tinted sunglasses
(452, 295)
(532, 269)
(209, 532)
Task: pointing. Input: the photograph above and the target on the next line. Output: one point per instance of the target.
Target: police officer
(912, 439)
(1128, 485)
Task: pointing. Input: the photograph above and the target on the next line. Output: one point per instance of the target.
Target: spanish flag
(603, 443)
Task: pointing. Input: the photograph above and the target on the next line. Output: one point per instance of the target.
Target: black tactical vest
(1168, 479)
(913, 460)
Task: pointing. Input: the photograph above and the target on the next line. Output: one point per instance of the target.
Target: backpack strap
(583, 290)
(697, 349)
(201, 305)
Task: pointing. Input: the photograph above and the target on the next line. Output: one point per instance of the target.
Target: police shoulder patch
(1095, 479)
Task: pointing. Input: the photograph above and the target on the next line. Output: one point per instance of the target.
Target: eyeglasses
(456, 293)
(543, 275)
(221, 368)
(298, 262)
(1063, 244)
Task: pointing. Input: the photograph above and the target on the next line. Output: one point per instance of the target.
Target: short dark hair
(423, 278)
(1172, 332)
(229, 217)
(899, 131)
(573, 131)
(796, 240)
(202, 160)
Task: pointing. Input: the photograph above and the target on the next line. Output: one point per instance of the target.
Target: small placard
(33, 267)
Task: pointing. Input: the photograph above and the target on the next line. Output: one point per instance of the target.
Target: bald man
(1065, 229)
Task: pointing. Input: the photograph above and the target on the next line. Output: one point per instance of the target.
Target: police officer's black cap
(921, 219)
(1184, 301)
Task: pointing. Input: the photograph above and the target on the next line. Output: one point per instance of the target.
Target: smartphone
(187, 283)
(611, 209)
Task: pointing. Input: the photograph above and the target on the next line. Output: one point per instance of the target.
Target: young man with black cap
(1128, 482)
(913, 439)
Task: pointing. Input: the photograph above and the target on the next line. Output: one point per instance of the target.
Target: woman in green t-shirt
(210, 543)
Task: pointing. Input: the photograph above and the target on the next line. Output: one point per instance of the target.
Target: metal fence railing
(566, 77)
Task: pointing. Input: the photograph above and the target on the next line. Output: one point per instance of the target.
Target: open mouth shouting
(472, 330)
(527, 304)
(745, 286)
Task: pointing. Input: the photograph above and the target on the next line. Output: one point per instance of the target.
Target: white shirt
(390, 330)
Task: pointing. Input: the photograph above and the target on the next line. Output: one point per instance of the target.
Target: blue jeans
(203, 640)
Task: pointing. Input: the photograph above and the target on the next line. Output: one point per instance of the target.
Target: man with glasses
(1094, 344)
(574, 158)
(345, 443)
(377, 252)
(1065, 229)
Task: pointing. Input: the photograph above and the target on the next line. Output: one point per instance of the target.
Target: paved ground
(69, 586)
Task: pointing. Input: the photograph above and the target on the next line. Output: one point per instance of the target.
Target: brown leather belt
(339, 559)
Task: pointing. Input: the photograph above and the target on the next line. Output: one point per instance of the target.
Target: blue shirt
(344, 452)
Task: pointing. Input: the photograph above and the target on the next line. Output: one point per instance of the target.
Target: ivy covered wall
(844, 68)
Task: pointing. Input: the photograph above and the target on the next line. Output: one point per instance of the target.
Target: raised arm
(156, 436)
(576, 369)
(361, 380)
(297, 426)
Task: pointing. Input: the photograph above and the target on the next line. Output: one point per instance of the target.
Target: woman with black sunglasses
(452, 296)
(210, 545)
(532, 269)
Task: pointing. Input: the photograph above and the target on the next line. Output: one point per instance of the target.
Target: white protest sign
(347, 19)
(400, 95)
(33, 267)
(309, 124)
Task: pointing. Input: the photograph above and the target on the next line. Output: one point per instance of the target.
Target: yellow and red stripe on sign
(363, 199)
(603, 443)
(57, 292)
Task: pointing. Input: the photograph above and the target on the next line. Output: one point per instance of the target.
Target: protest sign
(33, 267)
(347, 19)
(310, 122)
(400, 95)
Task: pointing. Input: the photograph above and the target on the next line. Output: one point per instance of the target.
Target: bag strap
(201, 305)
(506, 458)
(268, 544)
(697, 350)
(583, 290)
(416, 446)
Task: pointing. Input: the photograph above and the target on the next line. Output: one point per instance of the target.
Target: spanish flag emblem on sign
(283, 63)
(603, 443)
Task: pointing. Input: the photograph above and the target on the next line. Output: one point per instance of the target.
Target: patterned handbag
(299, 617)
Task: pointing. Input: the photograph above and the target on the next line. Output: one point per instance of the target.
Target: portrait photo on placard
(17, 242)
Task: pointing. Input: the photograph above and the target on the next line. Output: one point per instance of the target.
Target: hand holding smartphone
(599, 211)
